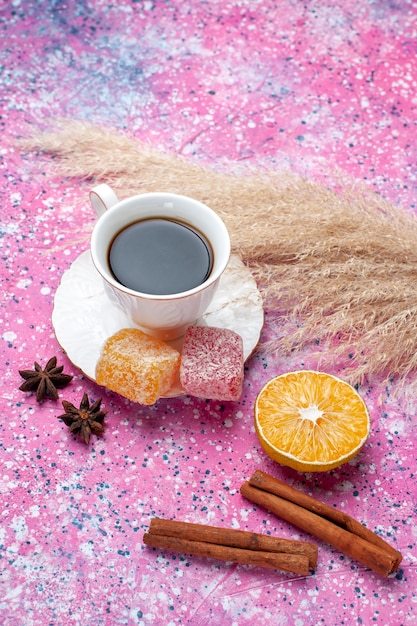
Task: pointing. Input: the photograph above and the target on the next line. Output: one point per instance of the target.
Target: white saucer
(83, 317)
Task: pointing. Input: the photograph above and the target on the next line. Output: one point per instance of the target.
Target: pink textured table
(310, 86)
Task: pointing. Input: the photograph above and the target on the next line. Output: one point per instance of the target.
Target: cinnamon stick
(228, 544)
(295, 563)
(233, 538)
(278, 487)
(293, 507)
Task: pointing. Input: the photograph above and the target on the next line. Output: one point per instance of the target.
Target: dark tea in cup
(170, 250)
(160, 256)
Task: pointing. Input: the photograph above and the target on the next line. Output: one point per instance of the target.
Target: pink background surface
(312, 86)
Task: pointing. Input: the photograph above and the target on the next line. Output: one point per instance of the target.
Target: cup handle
(102, 198)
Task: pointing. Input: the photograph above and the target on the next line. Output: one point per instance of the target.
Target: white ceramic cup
(163, 316)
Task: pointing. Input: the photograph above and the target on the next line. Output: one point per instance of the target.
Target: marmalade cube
(212, 363)
(137, 366)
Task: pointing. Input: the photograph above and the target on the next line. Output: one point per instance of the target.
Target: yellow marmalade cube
(137, 366)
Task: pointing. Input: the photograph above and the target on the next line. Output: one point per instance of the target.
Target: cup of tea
(161, 256)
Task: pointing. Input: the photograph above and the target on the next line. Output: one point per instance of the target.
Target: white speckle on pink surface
(19, 527)
(14, 593)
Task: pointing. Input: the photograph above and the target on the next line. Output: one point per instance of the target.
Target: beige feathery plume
(340, 263)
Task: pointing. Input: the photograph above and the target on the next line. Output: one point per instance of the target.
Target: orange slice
(310, 421)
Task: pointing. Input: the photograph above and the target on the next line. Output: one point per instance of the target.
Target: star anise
(85, 420)
(45, 382)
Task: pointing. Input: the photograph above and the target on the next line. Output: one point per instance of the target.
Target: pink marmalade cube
(212, 363)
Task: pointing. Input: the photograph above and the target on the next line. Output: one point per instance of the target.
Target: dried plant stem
(342, 263)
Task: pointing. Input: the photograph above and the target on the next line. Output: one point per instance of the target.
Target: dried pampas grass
(338, 264)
